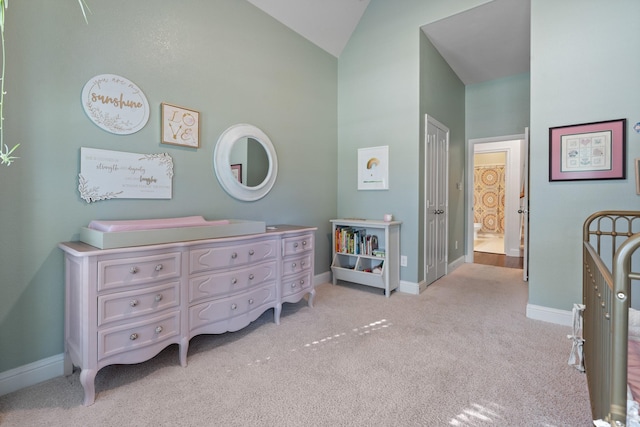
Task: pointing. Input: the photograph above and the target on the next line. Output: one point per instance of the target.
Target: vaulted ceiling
(484, 43)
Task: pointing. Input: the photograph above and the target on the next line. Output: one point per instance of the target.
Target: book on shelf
(355, 240)
(378, 253)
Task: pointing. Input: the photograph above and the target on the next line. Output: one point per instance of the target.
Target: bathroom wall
(489, 191)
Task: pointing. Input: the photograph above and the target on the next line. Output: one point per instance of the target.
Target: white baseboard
(551, 315)
(321, 278)
(417, 288)
(455, 264)
(514, 252)
(31, 374)
(411, 287)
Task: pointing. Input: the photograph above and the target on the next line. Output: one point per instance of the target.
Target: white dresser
(125, 305)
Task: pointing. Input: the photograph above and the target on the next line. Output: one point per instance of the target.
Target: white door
(524, 208)
(436, 172)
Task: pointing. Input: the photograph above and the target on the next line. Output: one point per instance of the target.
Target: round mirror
(245, 162)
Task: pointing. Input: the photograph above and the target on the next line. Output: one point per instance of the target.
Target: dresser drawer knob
(295, 245)
(301, 282)
(234, 281)
(251, 301)
(159, 297)
(251, 276)
(293, 265)
(234, 306)
(133, 336)
(294, 285)
(301, 263)
(251, 252)
(234, 255)
(134, 302)
(159, 329)
(158, 267)
(133, 270)
(304, 243)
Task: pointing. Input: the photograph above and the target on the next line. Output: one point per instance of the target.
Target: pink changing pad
(152, 224)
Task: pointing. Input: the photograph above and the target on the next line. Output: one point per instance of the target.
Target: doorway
(509, 220)
(489, 193)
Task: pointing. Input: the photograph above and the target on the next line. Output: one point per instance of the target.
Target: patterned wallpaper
(488, 198)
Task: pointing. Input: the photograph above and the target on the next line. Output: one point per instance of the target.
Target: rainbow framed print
(373, 168)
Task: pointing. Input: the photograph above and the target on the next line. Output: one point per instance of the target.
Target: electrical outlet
(403, 260)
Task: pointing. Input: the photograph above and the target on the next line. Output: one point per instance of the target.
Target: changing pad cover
(153, 224)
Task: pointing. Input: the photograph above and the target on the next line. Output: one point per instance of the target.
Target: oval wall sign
(115, 104)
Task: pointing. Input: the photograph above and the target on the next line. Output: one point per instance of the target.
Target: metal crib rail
(608, 237)
(597, 285)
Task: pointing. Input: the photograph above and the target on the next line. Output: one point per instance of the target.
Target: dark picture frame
(236, 169)
(588, 151)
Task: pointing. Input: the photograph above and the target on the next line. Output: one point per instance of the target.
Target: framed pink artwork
(588, 151)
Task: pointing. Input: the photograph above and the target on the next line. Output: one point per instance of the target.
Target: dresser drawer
(210, 258)
(113, 341)
(114, 273)
(230, 282)
(294, 284)
(228, 308)
(296, 265)
(141, 302)
(295, 245)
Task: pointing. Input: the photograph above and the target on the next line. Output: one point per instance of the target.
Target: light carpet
(462, 353)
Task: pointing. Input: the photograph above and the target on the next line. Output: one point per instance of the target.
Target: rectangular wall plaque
(106, 174)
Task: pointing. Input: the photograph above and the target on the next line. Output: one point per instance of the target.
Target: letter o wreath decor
(115, 104)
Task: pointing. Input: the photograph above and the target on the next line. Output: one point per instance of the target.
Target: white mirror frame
(222, 163)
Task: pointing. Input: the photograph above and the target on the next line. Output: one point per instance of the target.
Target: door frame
(444, 204)
(513, 145)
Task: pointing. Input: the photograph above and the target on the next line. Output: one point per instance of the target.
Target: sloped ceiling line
(484, 43)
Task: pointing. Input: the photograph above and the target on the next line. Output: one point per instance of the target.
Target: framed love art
(588, 151)
(180, 126)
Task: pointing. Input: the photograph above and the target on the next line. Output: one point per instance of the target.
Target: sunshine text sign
(115, 104)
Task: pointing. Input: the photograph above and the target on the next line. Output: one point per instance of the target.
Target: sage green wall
(442, 97)
(379, 103)
(584, 68)
(498, 107)
(224, 58)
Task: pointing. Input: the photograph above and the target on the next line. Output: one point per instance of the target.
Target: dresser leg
(87, 379)
(276, 313)
(312, 295)
(184, 348)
